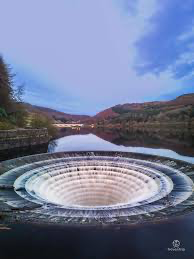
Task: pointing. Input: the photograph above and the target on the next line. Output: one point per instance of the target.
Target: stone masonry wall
(10, 139)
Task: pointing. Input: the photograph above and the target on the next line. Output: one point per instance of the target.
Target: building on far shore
(69, 125)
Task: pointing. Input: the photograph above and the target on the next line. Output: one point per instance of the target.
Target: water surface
(90, 141)
(148, 241)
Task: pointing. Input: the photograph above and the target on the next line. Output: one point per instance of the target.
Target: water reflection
(170, 144)
(175, 144)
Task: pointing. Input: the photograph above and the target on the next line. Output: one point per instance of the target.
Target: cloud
(168, 43)
(79, 55)
(128, 6)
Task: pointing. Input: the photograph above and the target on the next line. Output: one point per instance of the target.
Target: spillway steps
(96, 186)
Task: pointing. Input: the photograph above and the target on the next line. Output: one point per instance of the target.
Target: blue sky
(82, 56)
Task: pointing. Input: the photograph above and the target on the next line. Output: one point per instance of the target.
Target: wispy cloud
(170, 38)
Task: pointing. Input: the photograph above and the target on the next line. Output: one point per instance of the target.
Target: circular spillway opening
(93, 186)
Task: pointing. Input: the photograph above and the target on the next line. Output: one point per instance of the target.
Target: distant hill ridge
(181, 108)
(57, 115)
(147, 107)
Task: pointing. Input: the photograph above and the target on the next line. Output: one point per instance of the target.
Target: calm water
(78, 141)
(149, 241)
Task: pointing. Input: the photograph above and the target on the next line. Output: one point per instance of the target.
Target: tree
(6, 83)
(41, 121)
(12, 112)
(3, 113)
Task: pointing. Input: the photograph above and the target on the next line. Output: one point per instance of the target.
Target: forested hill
(180, 109)
(14, 113)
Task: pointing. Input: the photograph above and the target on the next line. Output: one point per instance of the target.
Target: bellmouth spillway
(95, 187)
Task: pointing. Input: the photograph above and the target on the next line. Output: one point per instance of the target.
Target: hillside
(64, 117)
(180, 109)
(106, 114)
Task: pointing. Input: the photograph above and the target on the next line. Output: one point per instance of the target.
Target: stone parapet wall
(10, 139)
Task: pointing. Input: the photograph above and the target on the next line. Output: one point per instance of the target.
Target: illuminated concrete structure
(95, 187)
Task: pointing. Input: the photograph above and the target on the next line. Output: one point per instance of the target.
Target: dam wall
(20, 138)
